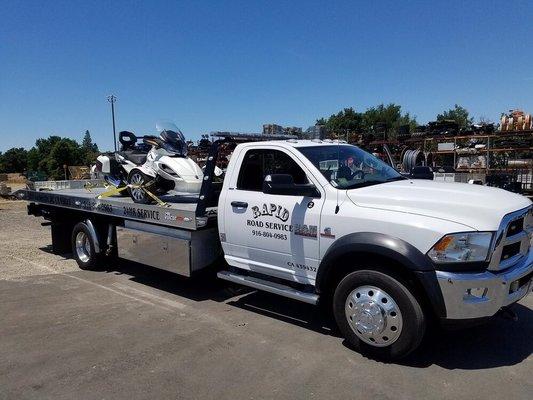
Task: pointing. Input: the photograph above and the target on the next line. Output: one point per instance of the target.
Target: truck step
(268, 286)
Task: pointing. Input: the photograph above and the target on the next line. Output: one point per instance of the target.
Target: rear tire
(378, 315)
(83, 247)
(138, 195)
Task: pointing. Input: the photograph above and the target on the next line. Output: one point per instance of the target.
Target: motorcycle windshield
(173, 139)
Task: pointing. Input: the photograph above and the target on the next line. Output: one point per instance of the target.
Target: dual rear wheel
(83, 247)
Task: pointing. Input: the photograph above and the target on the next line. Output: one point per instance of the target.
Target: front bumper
(477, 295)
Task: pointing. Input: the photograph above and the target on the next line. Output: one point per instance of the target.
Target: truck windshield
(348, 167)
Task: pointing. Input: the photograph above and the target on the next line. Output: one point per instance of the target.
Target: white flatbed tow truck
(321, 221)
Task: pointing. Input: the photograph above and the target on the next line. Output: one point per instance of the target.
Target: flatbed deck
(179, 212)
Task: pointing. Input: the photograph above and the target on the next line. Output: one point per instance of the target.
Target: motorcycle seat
(135, 156)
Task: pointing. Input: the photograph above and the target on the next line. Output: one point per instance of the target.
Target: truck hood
(478, 207)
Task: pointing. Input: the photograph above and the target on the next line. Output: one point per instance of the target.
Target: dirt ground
(134, 332)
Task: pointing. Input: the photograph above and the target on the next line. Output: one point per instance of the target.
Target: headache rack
(209, 192)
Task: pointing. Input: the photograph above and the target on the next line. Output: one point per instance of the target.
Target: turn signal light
(443, 244)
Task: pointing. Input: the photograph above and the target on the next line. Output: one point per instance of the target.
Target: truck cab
(335, 223)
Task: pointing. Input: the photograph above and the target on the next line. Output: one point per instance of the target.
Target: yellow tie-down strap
(112, 190)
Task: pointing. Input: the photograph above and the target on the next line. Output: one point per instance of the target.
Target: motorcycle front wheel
(137, 180)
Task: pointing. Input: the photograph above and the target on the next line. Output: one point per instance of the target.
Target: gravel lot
(135, 332)
(24, 239)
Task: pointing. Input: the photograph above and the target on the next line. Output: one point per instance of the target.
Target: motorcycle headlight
(169, 170)
(462, 247)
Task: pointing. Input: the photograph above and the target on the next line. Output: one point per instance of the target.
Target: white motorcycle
(163, 168)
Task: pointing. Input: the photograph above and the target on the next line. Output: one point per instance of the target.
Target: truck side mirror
(284, 184)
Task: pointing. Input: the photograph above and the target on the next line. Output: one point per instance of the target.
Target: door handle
(239, 204)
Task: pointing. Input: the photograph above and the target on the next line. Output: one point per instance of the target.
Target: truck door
(273, 234)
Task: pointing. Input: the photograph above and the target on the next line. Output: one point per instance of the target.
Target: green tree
(373, 120)
(38, 154)
(345, 121)
(34, 158)
(14, 160)
(64, 152)
(49, 155)
(89, 149)
(386, 117)
(458, 114)
(87, 142)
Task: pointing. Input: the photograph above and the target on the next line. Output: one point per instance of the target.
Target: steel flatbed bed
(180, 210)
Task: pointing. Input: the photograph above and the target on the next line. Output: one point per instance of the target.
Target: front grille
(512, 240)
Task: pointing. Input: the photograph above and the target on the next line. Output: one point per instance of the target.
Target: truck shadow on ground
(498, 343)
(206, 286)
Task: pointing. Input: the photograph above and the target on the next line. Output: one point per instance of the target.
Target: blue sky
(234, 65)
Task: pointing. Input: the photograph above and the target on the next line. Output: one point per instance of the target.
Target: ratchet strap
(153, 196)
(112, 190)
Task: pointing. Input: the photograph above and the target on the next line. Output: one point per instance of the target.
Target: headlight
(462, 247)
(168, 170)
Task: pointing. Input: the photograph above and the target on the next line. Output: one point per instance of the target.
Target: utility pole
(112, 98)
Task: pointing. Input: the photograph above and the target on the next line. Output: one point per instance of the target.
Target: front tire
(138, 178)
(378, 315)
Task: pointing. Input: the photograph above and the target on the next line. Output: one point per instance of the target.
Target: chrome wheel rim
(83, 246)
(374, 316)
(136, 192)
